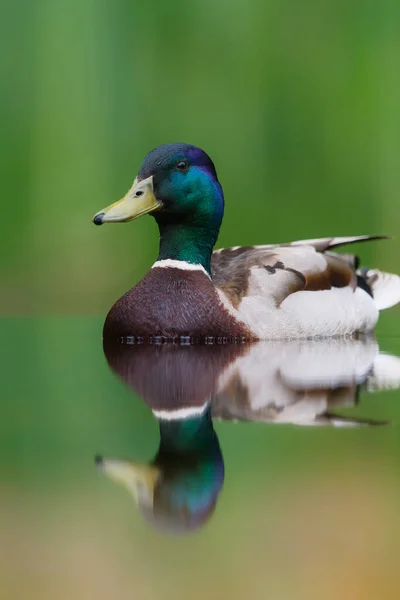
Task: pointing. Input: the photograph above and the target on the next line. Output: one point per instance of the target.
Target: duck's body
(173, 301)
(296, 290)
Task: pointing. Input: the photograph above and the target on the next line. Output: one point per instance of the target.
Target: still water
(172, 472)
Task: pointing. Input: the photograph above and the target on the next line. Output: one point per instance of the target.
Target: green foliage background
(296, 102)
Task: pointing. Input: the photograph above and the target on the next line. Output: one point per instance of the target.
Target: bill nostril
(98, 219)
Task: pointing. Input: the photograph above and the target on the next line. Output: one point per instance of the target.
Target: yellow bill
(138, 201)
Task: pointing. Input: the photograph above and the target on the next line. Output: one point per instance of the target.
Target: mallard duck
(295, 290)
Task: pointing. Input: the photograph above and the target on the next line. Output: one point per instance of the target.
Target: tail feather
(354, 239)
(324, 244)
(385, 287)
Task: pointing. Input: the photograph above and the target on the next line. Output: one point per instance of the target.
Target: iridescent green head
(178, 185)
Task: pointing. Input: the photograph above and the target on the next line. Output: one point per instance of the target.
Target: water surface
(279, 472)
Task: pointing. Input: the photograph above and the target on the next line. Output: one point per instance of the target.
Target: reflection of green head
(178, 490)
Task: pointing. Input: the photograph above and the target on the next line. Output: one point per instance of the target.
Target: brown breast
(172, 302)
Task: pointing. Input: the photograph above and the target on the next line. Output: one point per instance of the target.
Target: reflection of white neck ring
(179, 414)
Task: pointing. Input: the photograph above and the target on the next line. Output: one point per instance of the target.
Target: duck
(295, 290)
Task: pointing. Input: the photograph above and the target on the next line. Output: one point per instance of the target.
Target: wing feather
(302, 265)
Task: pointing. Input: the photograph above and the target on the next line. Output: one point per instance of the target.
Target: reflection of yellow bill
(139, 478)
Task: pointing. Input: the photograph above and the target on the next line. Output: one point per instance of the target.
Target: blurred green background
(298, 105)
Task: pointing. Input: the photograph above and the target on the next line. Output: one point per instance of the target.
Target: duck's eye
(182, 165)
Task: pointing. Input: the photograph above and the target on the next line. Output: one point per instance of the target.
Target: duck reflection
(304, 382)
(178, 489)
(186, 387)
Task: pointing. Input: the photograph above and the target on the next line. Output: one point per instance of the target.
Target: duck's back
(302, 289)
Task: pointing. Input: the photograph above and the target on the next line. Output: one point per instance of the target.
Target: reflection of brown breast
(172, 302)
(170, 376)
